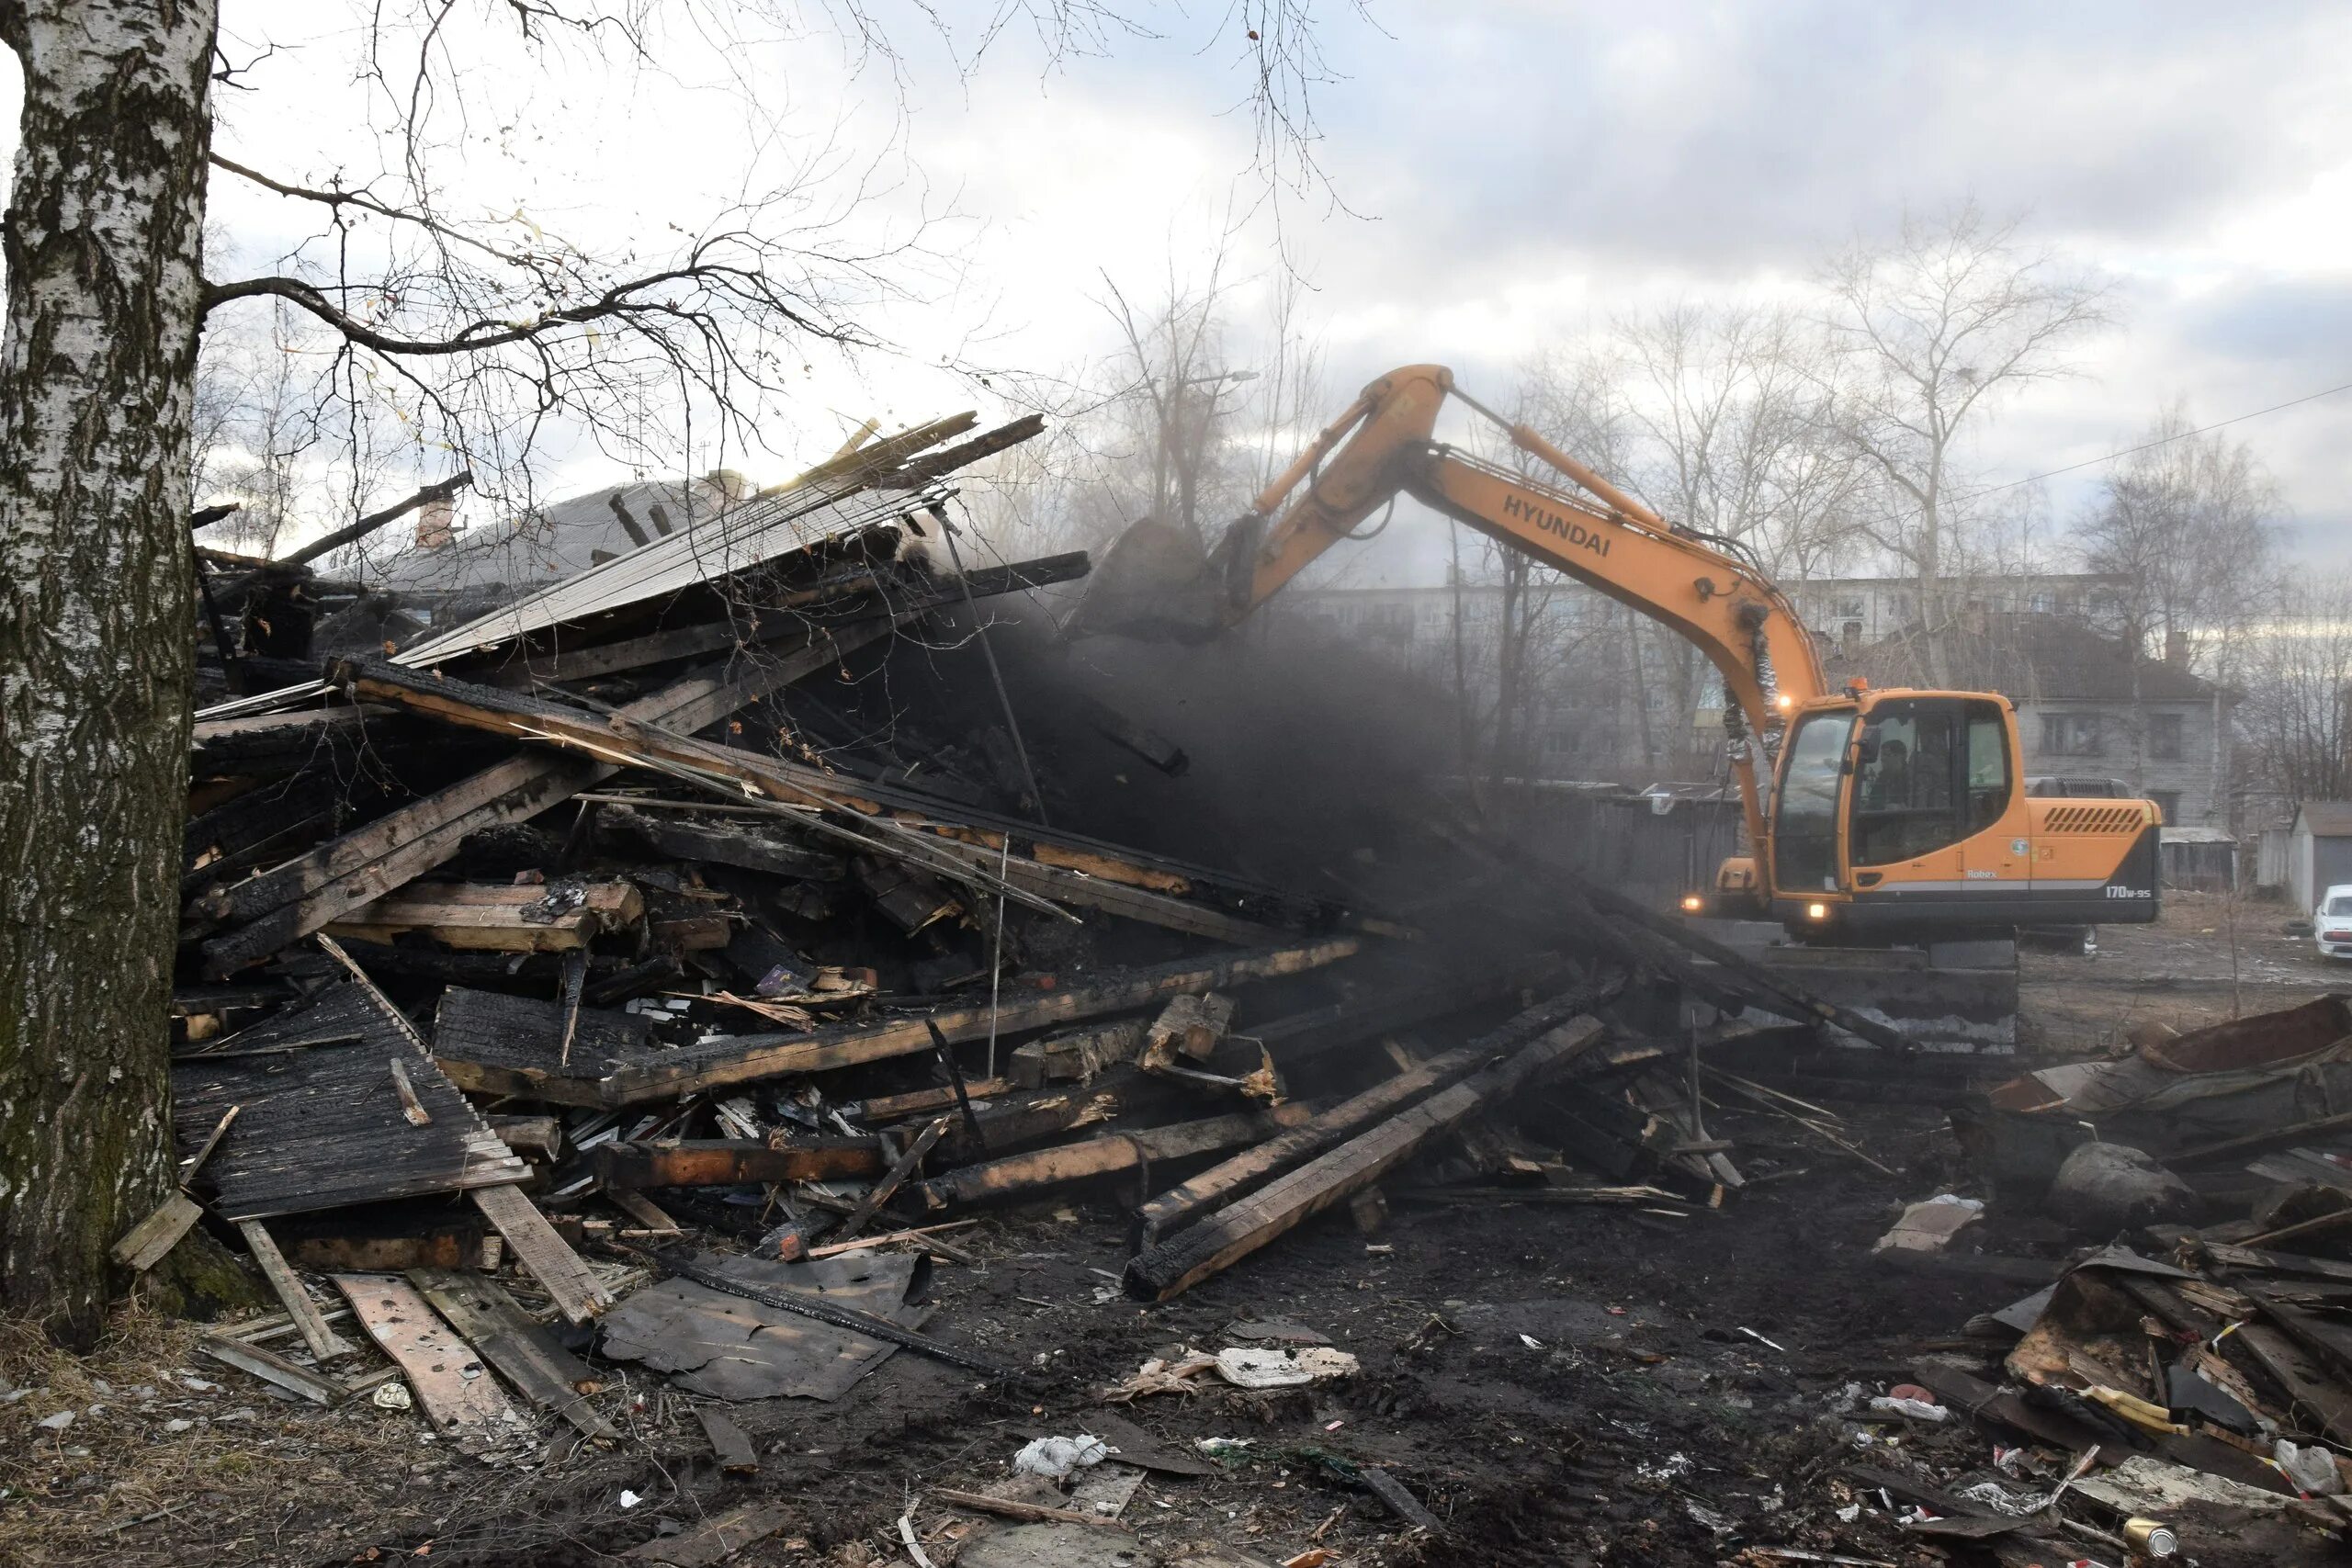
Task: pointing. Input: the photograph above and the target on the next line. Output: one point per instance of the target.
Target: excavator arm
(1384, 444)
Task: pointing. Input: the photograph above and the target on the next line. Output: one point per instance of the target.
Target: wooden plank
(195, 1162)
(541, 1135)
(729, 1443)
(570, 1284)
(2276, 1262)
(454, 1390)
(1167, 1269)
(735, 1162)
(887, 1108)
(523, 1353)
(741, 847)
(499, 919)
(900, 1168)
(411, 1109)
(324, 1343)
(269, 1367)
(1172, 1209)
(147, 1243)
(641, 1209)
(1024, 1175)
(1009, 1508)
(1115, 896)
(717, 1540)
(2310, 1388)
(749, 1058)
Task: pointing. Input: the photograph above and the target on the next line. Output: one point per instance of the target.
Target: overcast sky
(1517, 173)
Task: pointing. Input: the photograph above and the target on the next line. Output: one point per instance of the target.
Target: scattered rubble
(606, 1021)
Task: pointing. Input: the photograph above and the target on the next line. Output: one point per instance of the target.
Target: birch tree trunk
(98, 372)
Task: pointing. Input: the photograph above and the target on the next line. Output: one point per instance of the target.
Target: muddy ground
(1561, 1384)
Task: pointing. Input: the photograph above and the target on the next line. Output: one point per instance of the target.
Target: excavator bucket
(1155, 582)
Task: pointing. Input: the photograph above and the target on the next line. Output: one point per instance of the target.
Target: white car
(2332, 922)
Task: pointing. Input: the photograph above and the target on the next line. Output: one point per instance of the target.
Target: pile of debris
(2192, 1366)
(644, 971)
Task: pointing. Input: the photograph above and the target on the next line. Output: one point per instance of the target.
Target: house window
(2072, 734)
(2165, 737)
(2168, 802)
(1558, 743)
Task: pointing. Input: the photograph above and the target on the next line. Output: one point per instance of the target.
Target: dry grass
(248, 1477)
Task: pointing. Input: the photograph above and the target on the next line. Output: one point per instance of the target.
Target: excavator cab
(1899, 813)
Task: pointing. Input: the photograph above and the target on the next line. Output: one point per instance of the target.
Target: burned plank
(489, 1043)
(730, 1445)
(735, 1162)
(1074, 1055)
(883, 1109)
(523, 1353)
(745, 848)
(715, 1540)
(1123, 731)
(1213, 1243)
(753, 1057)
(324, 1127)
(1174, 1208)
(2307, 1384)
(1220, 1183)
(906, 1165)
(1043, 1169)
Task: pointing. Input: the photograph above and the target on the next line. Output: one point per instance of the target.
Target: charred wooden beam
(749, 1058)
(1024, 1175)
(735, 1162)
(352, 533)
(1216, 1242)
(1179, 1205)
(747, 849)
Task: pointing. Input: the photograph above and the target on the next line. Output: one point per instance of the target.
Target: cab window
(1931, 771)
(1805, 820)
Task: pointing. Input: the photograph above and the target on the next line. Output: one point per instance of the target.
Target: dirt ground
(1560, 1384)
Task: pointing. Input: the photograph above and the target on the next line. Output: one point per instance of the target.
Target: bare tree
(1933, 329)
(2297, 709)
(2183, 529)
(482, 333)
(1732, 418)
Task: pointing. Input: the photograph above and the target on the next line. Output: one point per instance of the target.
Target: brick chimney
(435, 524)
(2175, 648)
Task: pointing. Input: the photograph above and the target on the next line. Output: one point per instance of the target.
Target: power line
(2161, 441)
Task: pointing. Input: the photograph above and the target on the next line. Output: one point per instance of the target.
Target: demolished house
(642, 983)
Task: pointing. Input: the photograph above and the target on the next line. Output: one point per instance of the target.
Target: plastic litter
(1915, 1409)
(2310, 1467)
(1055, 1457)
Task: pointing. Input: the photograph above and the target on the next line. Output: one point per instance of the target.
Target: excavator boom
(1156, 580)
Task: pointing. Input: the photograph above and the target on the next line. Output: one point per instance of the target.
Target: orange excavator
(1871, 815)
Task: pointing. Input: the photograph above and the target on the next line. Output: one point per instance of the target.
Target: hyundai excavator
(1872, 816)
